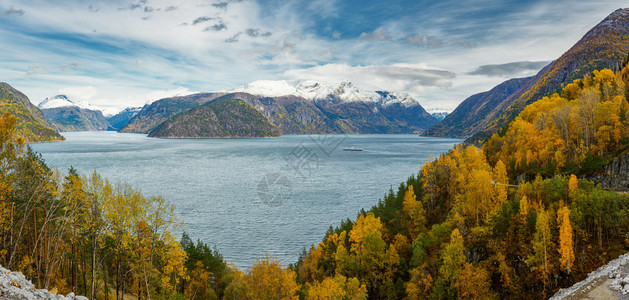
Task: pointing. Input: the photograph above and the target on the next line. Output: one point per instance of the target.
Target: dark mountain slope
(73, 118)
(477, 111)
(120, 119)
(294, 115)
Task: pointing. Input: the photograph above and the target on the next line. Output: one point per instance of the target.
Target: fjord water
(251, 196)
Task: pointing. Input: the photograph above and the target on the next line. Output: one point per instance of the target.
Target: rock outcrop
(607, 282)
(615, 176)
(14, 286)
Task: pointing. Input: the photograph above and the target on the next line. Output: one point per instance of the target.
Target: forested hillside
(463, 229)
(509, 220)
(74, 118)
(222, 118)
(31, 124)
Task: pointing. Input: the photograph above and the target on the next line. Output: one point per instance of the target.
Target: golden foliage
(566, 248)
(573, 184)
(338, 287)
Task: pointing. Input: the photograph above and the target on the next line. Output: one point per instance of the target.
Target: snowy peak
(388, 98)
(344, 91)
(131, 110)
(64, 101)
(56, 101)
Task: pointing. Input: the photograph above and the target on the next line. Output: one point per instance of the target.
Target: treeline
(510, 220)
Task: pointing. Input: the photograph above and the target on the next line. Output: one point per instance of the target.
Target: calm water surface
(251, 196)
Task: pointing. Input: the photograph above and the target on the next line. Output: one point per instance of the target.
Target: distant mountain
(120, 119)
(31, 123)
(150, 116)
(477, 111)
(304, 107)
(604, 46)
(222, 118)
(65, 115)
(439, 115)
(345, 108)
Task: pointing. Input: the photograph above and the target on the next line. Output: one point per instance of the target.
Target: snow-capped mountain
(63, 101)
(438, 113)
(120, 119)
(344, 91)
(299, 107)
(65, 115)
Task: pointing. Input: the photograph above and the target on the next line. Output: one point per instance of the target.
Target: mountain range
(294, 106)
(300, 107)
(310, 107)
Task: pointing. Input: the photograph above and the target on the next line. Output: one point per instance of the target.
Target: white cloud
(379, 34)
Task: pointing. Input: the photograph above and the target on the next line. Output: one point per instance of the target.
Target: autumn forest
(513, 219)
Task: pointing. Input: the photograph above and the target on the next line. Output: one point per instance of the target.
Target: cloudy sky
(118, 53)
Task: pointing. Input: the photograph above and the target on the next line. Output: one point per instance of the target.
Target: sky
(115, 54)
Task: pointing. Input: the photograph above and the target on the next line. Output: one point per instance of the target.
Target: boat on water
(352, 149)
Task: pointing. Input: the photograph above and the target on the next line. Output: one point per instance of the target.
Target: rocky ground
(610, 281)
(14, 286)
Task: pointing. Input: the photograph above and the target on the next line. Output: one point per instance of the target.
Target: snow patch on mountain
(344, 91)
(63, 101)
(438, 113)
(433, 110)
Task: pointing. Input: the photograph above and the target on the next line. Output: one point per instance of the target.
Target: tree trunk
(105, 280)
(118, 278)
(93, 266)
(84, 276)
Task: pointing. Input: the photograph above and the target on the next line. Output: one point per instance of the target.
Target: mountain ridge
(328, 109)
(603, 46)
(478, 110)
